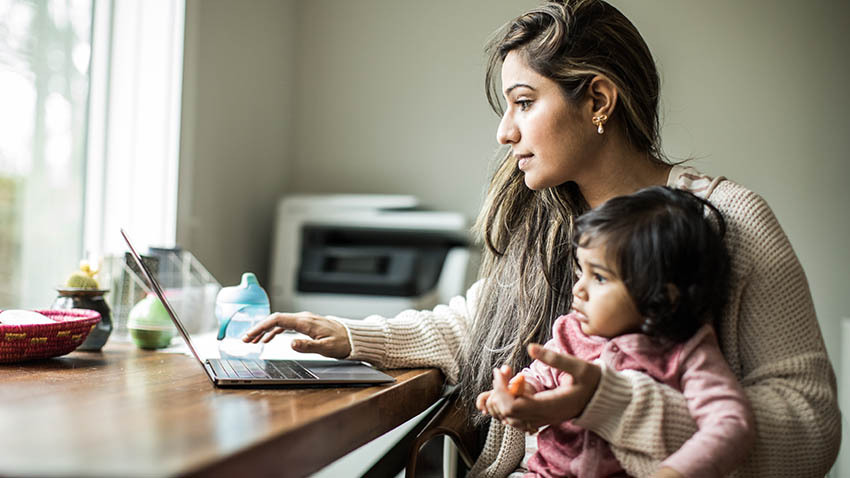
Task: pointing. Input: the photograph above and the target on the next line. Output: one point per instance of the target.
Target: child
(652, 271)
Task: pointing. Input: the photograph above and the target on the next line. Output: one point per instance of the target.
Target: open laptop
(268, 373)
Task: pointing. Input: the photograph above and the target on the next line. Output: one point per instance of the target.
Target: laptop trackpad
(340, 369)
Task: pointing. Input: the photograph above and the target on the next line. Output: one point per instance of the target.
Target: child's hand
(481, 402)
(485, 401)
(506, 389)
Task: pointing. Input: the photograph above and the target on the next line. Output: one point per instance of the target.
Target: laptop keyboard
(276, 369)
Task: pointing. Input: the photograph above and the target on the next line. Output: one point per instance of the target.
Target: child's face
(600, 299)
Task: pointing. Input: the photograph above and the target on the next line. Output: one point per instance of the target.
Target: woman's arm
(415, 338)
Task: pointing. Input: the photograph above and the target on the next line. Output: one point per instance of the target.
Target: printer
(354, 255)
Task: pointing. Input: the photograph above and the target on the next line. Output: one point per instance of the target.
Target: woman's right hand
(327, 337)
(564, 402)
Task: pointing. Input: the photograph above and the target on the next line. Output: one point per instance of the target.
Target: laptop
(268, 373)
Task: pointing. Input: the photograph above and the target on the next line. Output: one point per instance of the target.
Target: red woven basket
(38, 341)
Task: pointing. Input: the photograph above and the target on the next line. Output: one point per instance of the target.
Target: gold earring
(599, 121)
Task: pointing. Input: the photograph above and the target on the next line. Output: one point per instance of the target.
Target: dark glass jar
(91, 299)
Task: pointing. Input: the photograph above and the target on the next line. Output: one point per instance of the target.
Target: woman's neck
(620, 173)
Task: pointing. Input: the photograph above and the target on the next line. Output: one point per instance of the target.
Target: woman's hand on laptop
(327, 337)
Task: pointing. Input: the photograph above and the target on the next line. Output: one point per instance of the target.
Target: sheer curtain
(135, 124)
(44, 62)
(89, 128)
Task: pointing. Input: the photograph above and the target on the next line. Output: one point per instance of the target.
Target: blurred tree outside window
(89, 135)
(45, 49)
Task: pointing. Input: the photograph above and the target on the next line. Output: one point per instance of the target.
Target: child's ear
(672, 294)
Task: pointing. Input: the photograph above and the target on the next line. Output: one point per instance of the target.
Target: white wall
(390, 98)
(237, 136)
(757, 91)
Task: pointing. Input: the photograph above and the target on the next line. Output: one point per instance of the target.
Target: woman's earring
(599, 121)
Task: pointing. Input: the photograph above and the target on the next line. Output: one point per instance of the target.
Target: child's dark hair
(660, 236)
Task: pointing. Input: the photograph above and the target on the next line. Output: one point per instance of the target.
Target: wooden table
(129, 412)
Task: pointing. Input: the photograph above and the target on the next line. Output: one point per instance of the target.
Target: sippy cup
(237, 309)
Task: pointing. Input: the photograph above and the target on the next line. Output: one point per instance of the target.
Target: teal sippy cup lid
(248, 292)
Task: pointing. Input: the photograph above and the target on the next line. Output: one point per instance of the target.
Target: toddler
(651, 278)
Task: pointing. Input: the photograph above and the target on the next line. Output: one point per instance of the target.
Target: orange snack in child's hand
(515, 387)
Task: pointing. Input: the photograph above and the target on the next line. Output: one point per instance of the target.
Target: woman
(581, 124)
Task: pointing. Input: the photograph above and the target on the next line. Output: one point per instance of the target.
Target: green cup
(149, 324)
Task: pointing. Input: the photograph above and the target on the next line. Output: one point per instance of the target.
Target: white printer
(357, 255)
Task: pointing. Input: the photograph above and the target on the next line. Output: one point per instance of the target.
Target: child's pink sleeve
(541, 376)
(720, 407)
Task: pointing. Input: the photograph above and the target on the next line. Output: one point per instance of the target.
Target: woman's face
(548, 135)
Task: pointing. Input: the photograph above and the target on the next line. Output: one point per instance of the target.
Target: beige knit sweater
(769, 335)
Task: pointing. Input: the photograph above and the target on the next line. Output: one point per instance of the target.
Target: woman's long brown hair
(528, 258)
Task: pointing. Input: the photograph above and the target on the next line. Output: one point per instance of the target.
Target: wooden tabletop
(130, 412)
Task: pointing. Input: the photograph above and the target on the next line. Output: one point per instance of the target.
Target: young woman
(581, 125)
(652, 278)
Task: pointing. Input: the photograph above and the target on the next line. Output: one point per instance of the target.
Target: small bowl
(38, 341)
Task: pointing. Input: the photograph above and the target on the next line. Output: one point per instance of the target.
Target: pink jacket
(696, 368)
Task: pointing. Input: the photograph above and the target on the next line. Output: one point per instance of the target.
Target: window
(44, 63)
(134, 124)
(89, 131)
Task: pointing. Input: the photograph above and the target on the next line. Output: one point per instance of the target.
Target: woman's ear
(603, 96)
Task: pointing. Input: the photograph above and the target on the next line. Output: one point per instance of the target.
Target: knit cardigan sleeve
(415, 338)
(431, 338)
(771, 338)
